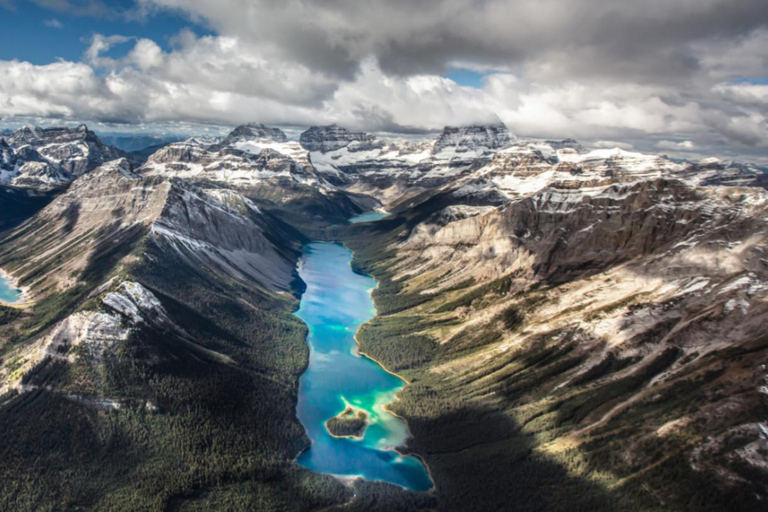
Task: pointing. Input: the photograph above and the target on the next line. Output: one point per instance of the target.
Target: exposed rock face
(104, 211)
(113, 207)
(95, 332)
(333, 137)
(76, 150)
(184, 152)
(526, 168)
(47, 158)
(472, 138)
(254, 131)
(199, 226)
(559, 233)
(391, 171)
(96, 336)
(713, 172)
(26, 168)
(494, 168)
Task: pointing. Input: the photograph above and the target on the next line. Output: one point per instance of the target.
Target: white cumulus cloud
(660, 74)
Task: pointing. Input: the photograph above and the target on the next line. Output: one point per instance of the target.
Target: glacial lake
(336, 302)
(367, 217)
(8, 294)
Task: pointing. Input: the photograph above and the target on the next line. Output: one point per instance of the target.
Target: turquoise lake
(8, 294)
(367, 217)
(336, 302)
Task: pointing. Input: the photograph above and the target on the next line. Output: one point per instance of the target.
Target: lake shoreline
(325, 283)
(13, 282)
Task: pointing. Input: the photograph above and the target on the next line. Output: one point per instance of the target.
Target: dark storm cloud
(557, 38)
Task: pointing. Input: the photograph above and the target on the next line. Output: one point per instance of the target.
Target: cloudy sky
(683, 77)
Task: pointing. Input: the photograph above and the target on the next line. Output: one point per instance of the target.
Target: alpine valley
(574, 329)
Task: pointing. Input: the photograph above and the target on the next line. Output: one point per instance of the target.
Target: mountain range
(580, 329)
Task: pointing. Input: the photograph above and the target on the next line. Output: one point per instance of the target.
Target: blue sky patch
(38, 35)
(755, 80)
(466, 77)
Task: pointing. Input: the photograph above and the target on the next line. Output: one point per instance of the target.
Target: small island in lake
(349, 423)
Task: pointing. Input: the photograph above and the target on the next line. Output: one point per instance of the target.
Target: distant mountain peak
(256, 131)
(59, 155)
(474, 136)
(566, 144)
(331, 137)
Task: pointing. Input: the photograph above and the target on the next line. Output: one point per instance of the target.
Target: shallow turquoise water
(367, 217)
(7, 293)
(337, 301)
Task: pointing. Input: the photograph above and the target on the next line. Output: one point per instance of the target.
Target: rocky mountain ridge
(42, 159)
(492, 162)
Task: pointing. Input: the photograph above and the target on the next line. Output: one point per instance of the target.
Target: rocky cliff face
(47, 158)
(492, 164)
(477, 138)
(390, 171)
(248, 157)
(28, 169)
(216, 236)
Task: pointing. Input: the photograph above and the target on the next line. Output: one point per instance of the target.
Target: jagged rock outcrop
(562, 232)
(393, 170)
(28, 169)
(185, 152)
